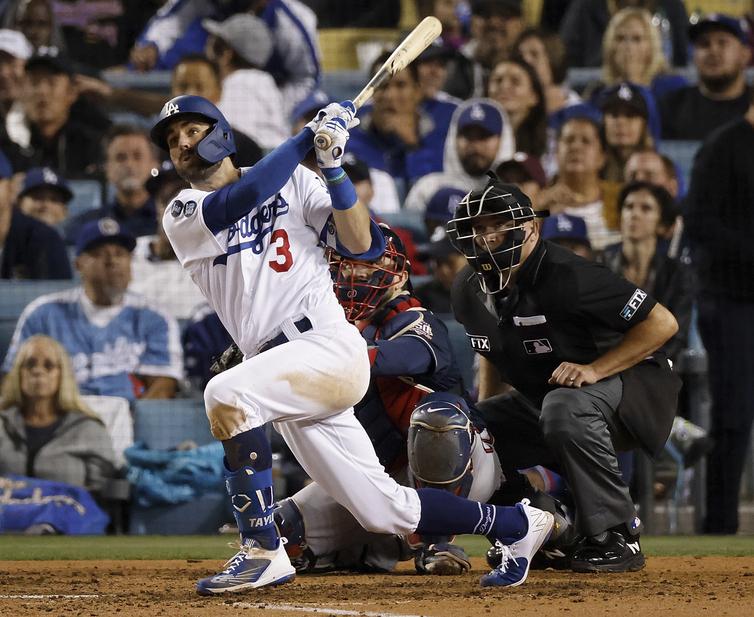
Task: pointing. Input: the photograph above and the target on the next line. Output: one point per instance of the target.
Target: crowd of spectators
(492, 93)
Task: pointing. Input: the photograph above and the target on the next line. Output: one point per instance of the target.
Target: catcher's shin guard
(290, 525)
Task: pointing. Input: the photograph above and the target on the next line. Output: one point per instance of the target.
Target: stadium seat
(408, 220)
(163, 424)
(14, 296)
(87, 195)
(682, 153)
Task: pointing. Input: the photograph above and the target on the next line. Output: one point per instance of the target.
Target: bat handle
(322, 141)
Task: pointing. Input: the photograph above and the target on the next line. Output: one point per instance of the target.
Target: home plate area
(678, 586)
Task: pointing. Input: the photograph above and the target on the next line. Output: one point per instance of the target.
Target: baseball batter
(253, 241)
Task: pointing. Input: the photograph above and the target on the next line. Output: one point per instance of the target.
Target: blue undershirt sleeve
(225, 206)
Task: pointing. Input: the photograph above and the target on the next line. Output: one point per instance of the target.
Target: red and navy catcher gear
(499, 203)
(362, 286)
(440, 441)
(215, 145)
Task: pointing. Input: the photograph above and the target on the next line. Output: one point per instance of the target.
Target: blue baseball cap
(718, 21)
(565, 227)
(316, 100)
(104, 230)
(581, 111)
(483, 115)
(443, 204)
(38, 177)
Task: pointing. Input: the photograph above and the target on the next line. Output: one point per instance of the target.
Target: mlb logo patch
(479, 343)
(628, 311)
(537, 346)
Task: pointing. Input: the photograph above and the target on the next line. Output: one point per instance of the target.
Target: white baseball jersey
(267, 267)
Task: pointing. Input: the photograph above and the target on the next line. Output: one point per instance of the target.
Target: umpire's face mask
(498, 244)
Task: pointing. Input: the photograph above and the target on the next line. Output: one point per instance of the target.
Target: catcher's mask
(488, 228)
(440, 441)
(362, 286)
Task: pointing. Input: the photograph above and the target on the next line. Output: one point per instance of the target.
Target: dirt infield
(678, 586)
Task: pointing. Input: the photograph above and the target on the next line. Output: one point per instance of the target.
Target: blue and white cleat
(251, 567)
(516, 557)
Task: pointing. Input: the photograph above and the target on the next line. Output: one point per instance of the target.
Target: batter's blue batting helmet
(216, 144)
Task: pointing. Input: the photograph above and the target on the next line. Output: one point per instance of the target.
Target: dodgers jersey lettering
(267, 267)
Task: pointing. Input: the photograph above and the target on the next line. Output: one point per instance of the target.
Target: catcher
(424, 432)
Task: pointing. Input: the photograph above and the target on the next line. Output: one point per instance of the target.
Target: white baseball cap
(15, 43)
(248, 35)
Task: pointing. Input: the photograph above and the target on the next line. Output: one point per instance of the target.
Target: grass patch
(216, 547)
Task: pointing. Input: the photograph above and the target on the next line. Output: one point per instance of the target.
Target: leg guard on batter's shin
(251, 496)
(440, 440)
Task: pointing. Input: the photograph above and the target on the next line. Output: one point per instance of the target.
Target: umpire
(578, 343)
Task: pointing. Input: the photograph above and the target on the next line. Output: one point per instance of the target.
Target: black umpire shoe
(608, 552)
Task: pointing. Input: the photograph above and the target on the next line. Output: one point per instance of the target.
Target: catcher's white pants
(307, 388)
(329, 527)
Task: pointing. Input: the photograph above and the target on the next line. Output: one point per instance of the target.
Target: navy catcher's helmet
(499, 202)
(216, 144)
(440, 440)
(361, 286)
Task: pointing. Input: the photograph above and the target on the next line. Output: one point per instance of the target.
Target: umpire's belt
(302, 325)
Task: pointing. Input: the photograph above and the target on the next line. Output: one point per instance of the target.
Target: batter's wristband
(342, 191)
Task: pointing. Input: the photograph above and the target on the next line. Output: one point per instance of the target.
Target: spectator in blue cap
(631, 122)
(441, 207)
(480, 136)
(118, 343)
(29, 249)
(445, 263)
(568, 231)
(721, 55)
(44, 196)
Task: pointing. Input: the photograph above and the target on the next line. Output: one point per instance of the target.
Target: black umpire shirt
(562, 309)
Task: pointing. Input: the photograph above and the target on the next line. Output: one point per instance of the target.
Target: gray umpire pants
(576, 433)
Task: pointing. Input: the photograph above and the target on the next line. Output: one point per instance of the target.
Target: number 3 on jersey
(282, 249)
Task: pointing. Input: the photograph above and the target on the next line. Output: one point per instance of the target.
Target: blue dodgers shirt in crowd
(106, 345)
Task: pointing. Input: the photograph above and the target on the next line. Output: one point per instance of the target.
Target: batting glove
(344, 110)
(331, 156)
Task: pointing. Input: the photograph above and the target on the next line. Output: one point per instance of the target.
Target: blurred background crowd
(631, 121)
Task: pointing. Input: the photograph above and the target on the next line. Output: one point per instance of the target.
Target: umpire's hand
(573, 375)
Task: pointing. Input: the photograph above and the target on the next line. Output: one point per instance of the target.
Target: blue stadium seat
(163, 424)
(409, 220)
(87, 195)
(14, 296)
(462, 350)
(682, 153)
(343, 85)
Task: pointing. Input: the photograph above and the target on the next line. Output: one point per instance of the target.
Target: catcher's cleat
(251, 567)
(611, 551)
(515, 558)
(442, 559)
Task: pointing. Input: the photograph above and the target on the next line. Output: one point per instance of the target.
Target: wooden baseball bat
(415, 43)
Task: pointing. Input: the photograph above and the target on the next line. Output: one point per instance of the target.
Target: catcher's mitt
(227, 359)
(441, 559)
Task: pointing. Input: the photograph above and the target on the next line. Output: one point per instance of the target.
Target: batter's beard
(719, 83)
(198, 170)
